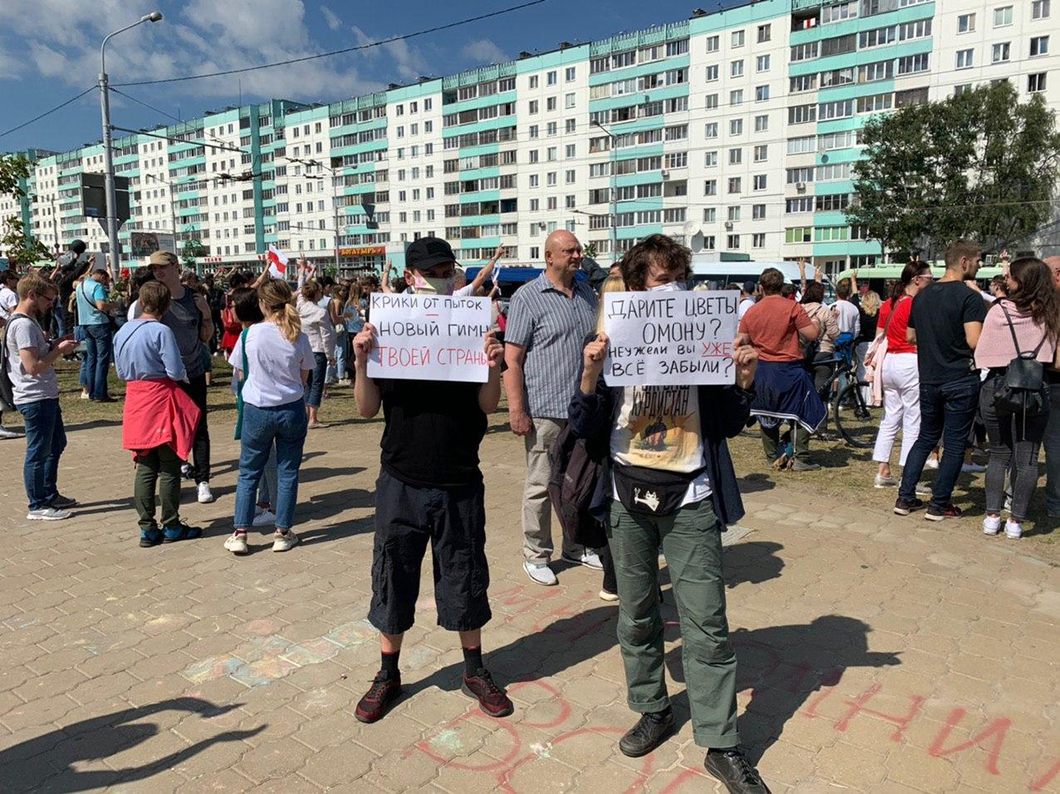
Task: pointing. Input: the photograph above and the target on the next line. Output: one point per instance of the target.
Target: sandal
(150, 537)
(180, 532)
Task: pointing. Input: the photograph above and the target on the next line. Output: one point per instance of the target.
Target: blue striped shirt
(552, 328)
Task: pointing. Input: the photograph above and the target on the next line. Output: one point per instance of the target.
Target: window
(733, 241)
(735, 184)
(759, 182)
(965, 59)
(805, 52)
(736, 127)
(710, 130)
(762, 63)
(735, 156)
(676, 47)
(1001, 52)
(550, 78)
(806, 82)
(710, 187)
(711, 101)
(758, 212)
(1002, 16)
(873, 104)
(568, 152)
(877, 37)
(534, 105)
(761, 153)
(712, 73)
(1036, 82)
(839, 109)
(911, 64)
(710, 215)
(762, 93)
(710, 159)
(802, 114)
(914, 30)
(966, 23)
(569, 74)
(794, 206)
(1040, 9)
(550, 103)
(736, 68)
(870, 72)
(1039, 46)
(761, 123)
(758, 240)
(734, 214)
(799, 234)
(736, 97)
(712, 43)
(764, 33)
(796, 175)
(737, 38)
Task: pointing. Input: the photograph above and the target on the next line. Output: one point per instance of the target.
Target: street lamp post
(614, 196)
(108, 156)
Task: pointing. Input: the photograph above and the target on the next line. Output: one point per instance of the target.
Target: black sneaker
(940, 513)
(904, 507)
(732, 768)
(492, 699)
(649, 732)
(383, 692)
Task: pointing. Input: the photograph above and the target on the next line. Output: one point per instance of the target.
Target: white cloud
(334, 23)
(408, 62)
(484, 51)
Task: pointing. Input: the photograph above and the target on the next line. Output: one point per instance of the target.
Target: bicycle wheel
(856, 420)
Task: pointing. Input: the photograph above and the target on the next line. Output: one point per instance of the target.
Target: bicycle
(857, 426)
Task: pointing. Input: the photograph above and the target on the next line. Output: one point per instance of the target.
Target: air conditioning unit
(728, 226)
(665, 174)
(800, 187)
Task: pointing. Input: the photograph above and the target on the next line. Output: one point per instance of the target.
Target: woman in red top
(901, 381)
(232, 327)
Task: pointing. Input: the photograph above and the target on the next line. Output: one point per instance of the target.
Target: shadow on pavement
(47, 762)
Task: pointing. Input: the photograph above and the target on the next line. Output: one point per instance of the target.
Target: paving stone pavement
(876, 654)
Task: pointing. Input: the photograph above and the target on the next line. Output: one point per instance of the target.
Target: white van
(717, 274)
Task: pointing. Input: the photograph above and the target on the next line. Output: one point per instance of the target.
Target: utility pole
(108, 154)
(614, 196)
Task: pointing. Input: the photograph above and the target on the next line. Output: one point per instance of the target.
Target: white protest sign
(670, 338)
(429, 337)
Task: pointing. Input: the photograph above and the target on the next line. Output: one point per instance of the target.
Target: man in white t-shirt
(848, 318)
(8, 296)
(463, 289)
(747, 298)
(35, 387)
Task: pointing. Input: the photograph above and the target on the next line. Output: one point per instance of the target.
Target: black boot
(649, 732)
(732, 768)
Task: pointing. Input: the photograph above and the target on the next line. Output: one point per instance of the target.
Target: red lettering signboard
(429, 337)
(671, 338)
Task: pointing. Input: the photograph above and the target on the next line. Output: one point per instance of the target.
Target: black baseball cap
(749, 286)
(426, 252)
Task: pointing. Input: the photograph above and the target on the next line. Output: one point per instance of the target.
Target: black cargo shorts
(454, 521)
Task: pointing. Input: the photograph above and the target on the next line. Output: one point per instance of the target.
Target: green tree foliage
(19, 247)
(980, 165)
(191, 250)
(13, 169)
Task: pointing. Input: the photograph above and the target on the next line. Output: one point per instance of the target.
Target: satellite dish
(696, 243)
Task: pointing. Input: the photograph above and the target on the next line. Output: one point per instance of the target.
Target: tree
(19, 247)
(190, 250)
(980, 165)
(590, 250)
(13, 169)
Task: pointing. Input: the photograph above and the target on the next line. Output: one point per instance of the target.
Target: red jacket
(158, 412)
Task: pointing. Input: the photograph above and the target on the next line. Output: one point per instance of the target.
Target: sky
(49, 52)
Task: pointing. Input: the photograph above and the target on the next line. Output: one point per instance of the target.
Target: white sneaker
(266, 518)
(932, 463)
(885, 482)
(607, 595)
(7, 433)
(285, 541)
(590, 559)
(236, 543)
(185, 471)
(85, 395)
(991, 525)
(205, 495)
(972, 468)
(1013, 529)
(540, 574)
(48, 514)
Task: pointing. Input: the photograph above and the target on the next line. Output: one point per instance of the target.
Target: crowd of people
(940, 357)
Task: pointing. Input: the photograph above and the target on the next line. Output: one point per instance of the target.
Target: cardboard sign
(670, 338)
(429, 337)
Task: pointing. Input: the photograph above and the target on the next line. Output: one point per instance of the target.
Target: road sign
(94, 197)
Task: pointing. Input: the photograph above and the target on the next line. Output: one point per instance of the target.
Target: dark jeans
(200, 448)
(609, 584)
(162, 466)
(100, 343)
(1014, 442)
(59, 313)
(314, 385)
(946, 413)
(45, 442)
(1051, 442)
(281, 428)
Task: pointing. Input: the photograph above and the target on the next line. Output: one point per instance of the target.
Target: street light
(614, 195)
(108, 157)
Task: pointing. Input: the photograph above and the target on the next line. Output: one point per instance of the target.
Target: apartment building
(733, 131)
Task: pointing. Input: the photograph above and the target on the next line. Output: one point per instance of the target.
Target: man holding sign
(669, 485)
(435, 395)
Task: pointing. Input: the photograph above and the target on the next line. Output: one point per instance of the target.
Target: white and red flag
(277, 262)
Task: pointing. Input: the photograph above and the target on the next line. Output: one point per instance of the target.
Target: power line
(149, 107)
(47, 112)
(304, 58)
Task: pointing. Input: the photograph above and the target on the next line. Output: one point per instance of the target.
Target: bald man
(1051, 441)
(548, 321)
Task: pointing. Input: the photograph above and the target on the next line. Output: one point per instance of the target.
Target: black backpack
(1023, 389)
(7, 391)
(576, 465)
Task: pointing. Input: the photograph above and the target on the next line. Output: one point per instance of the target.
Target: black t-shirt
(868, 324)
(433, 431)
(938, 314)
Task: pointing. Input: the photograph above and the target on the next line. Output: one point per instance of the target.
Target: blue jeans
(59, 312)
(45, 442)
(946, 412)
(338, 372)
(314, 386)
(282, 427)
(97, 363)
(267, 487)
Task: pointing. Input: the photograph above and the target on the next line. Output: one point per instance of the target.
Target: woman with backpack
(1018, 348)
(893, 361)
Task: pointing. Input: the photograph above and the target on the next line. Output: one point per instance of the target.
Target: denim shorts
(453, 520)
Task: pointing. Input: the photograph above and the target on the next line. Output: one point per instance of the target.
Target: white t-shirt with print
(274, 365)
